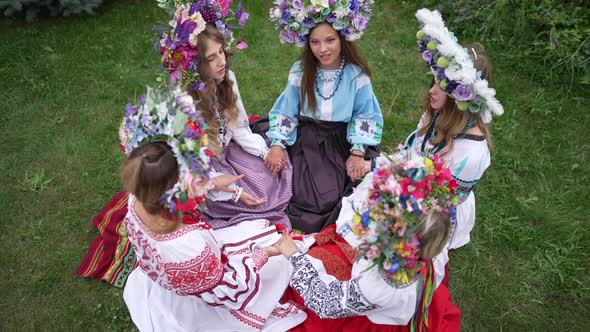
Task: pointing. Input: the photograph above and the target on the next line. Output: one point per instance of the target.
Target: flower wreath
(295, 18)
(170, 116)
(453, 67)
(403, 189)
(178, 46)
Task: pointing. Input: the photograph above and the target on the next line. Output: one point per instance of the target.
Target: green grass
(63, 89)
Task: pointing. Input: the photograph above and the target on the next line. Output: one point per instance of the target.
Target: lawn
(64, 85)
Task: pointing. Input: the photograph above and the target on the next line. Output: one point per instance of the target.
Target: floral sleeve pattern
(324, 294)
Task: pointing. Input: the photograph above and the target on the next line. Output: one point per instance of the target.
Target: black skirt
(319, 172)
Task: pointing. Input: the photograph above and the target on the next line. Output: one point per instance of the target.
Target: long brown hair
(206, 99)
(148, 172)
(451, 120)
(309, 65)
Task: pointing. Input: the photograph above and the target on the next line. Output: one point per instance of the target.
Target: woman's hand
(271, 251)
(286, 245)
(355, 165)
(250, 200)
(222, 182)
(275, 159)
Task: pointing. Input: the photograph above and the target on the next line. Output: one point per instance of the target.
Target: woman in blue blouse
(328, 117)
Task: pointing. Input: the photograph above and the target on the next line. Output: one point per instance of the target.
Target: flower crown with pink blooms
(404, 188)
(453, 68)
(295, 18)
(178, 45)
(171, 117)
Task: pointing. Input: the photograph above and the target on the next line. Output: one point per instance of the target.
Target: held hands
(275, 159)
(355, 165)
(285, 245)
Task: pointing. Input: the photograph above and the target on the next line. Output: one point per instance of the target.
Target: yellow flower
(428, 164)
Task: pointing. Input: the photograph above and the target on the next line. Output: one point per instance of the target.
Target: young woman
(260, 195)
(457, 113)
(328, 117)
(392, 232)
(195, 58)
(187, 281)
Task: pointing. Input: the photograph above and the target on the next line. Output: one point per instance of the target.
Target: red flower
(189, 205)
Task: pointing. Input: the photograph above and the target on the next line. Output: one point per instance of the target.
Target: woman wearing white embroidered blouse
(185, 281)
(399, 228)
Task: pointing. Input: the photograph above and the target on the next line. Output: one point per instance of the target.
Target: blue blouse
(353, 102)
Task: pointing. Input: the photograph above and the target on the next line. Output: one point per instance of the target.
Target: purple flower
(427, 56)
(289, 36)
(360, 22)
(345, 31)
(303, 38)
(241, 16)
(142, 99)
(297, 4)
(451, 85)
(286, 17)
(331, 18)
(354, 6)
(130, 110)
(309, 23)
(283, 5)
(463, 93)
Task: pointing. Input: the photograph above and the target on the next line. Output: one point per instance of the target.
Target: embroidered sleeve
(366, 125)
(240, 283)
(468, 166)
(252, 143)
(324, 294)
(283, 115)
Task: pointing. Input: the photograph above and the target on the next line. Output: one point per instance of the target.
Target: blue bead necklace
(337, 77)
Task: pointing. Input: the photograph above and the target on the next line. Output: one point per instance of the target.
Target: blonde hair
(451, 120)
(148, 172)
(206, 99)
(433, 233)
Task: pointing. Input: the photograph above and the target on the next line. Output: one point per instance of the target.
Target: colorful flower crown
(453, 67)
(170, 116)
(295, 18)
(404, 188)
(178, 46)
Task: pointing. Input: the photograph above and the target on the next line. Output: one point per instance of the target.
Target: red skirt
(110, 256)
(337, 257)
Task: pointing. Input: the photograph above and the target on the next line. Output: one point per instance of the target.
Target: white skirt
(154, 308)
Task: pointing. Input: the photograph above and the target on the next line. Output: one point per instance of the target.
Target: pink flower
(224, 6)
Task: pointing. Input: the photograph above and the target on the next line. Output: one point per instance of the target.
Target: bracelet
(357, 155)
(236, 196)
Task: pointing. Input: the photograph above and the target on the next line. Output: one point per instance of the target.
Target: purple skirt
(259, 182)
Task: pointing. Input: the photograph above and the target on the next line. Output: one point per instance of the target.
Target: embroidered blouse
(238, 130)
(191, 263)
(468, 160)
(353, 102)
(367, 293)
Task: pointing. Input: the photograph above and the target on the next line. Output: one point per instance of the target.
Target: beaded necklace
(337, 77)
(221, 119)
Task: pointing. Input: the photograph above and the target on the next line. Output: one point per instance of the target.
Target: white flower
(185, 100)
(320, 3)
(353, 37)
(342, 12)
(300, 17)
(190, 144)
(277, 13)
(194, 37)
(162, 110)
